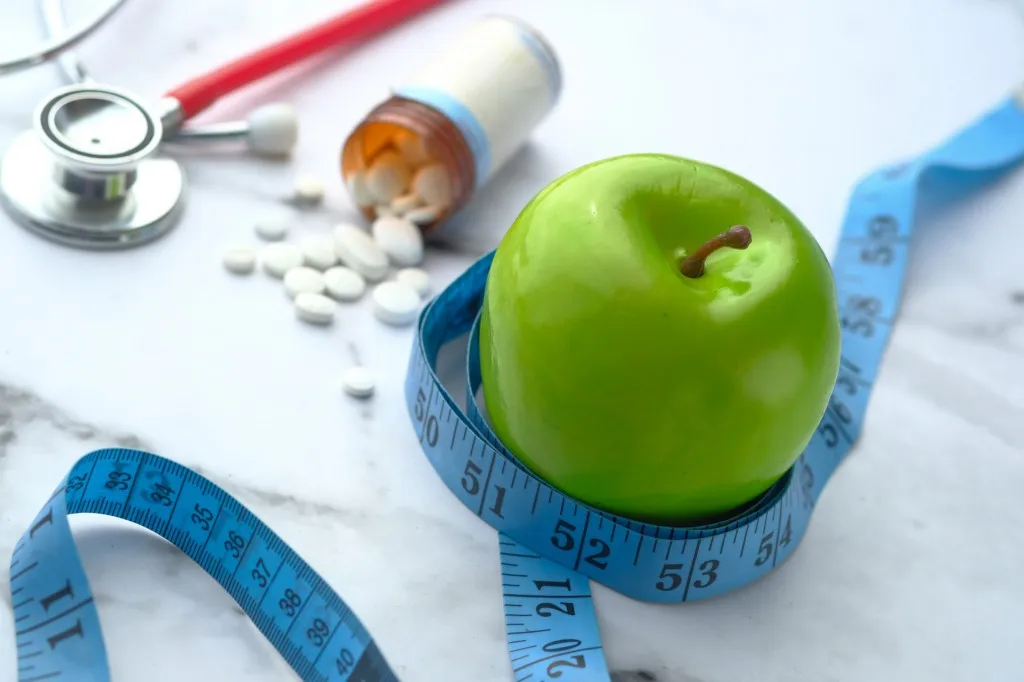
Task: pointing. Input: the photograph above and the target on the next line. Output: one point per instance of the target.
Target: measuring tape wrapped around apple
(552, 544)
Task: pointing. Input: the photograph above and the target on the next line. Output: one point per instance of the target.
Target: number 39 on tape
(551, 546)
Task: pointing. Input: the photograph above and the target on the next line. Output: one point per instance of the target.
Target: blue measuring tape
(551, 546)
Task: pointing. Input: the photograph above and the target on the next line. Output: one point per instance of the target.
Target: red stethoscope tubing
(347, 28)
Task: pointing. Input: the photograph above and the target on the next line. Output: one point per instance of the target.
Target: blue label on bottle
(464, 119)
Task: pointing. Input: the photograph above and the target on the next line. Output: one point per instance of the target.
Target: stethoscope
(88, 174)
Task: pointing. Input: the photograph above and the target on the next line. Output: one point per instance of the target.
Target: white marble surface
(912, 567)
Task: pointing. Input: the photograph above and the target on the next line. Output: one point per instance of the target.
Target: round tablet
(357, 188)
(280, 258)
(308, 189)
(399, 239)
(388, 176)
(356, 249)
(314, 308)
(433, 184)
(303, 280)
(239, 259)
(272, 227)
(358, 382)
(415, 278)
(395, 303)
(405, 203)
(318, 252)
(344, 284)
(423, 215)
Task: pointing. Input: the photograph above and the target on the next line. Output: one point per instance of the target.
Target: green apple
(659, 338)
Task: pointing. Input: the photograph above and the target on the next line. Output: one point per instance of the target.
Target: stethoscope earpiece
(273, 129)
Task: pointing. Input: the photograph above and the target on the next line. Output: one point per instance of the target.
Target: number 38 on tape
(551, 546)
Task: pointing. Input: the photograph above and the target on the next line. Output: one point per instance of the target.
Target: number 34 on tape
(551, 546)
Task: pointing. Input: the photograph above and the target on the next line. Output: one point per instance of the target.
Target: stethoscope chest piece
(86, 174)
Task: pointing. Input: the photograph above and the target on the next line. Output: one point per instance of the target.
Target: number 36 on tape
(551, 546)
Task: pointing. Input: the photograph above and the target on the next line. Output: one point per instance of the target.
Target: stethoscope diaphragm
(87, 174)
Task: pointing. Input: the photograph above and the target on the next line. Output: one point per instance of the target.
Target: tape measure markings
(316, 632)
(471, 471)
(550, 545)
(549, 616)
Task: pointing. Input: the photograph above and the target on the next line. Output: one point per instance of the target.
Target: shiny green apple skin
(636, 389)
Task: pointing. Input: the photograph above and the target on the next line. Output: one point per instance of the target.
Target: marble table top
(911, 569)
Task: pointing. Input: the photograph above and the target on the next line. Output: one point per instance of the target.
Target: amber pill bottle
(466, 110)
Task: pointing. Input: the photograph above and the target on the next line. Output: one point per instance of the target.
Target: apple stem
(736, 237)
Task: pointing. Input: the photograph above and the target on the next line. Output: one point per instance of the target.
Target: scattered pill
(412, 147)
(415, 278)
(280, 258)
(358, 382)
(344, 284)
(272, 227)
(356, 249)
(308, 189)
(318, 252)
(395, 303)
(388, 177)
(424, 215)
(405, 203)
(359, 190)
(399, 239)
(303, 280)
(315, 308)
(433, 184)
(384, 210)
(240, 260)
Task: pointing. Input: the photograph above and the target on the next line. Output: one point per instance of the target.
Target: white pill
(388, 177)
(315, 308)
(395, 303)
(356, 249)
(318, 252)
(424, 215)
(308, 189)
(273, 226)
(280, 258)
(412, 148)
(433, 184)
(303, 280)
(399, 239)
(344, 284)
(358, 382)
(415, 278)
(240, 260)
(405, 203)
(359, 190)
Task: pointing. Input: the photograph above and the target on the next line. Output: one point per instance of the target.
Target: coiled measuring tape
(550, 545)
